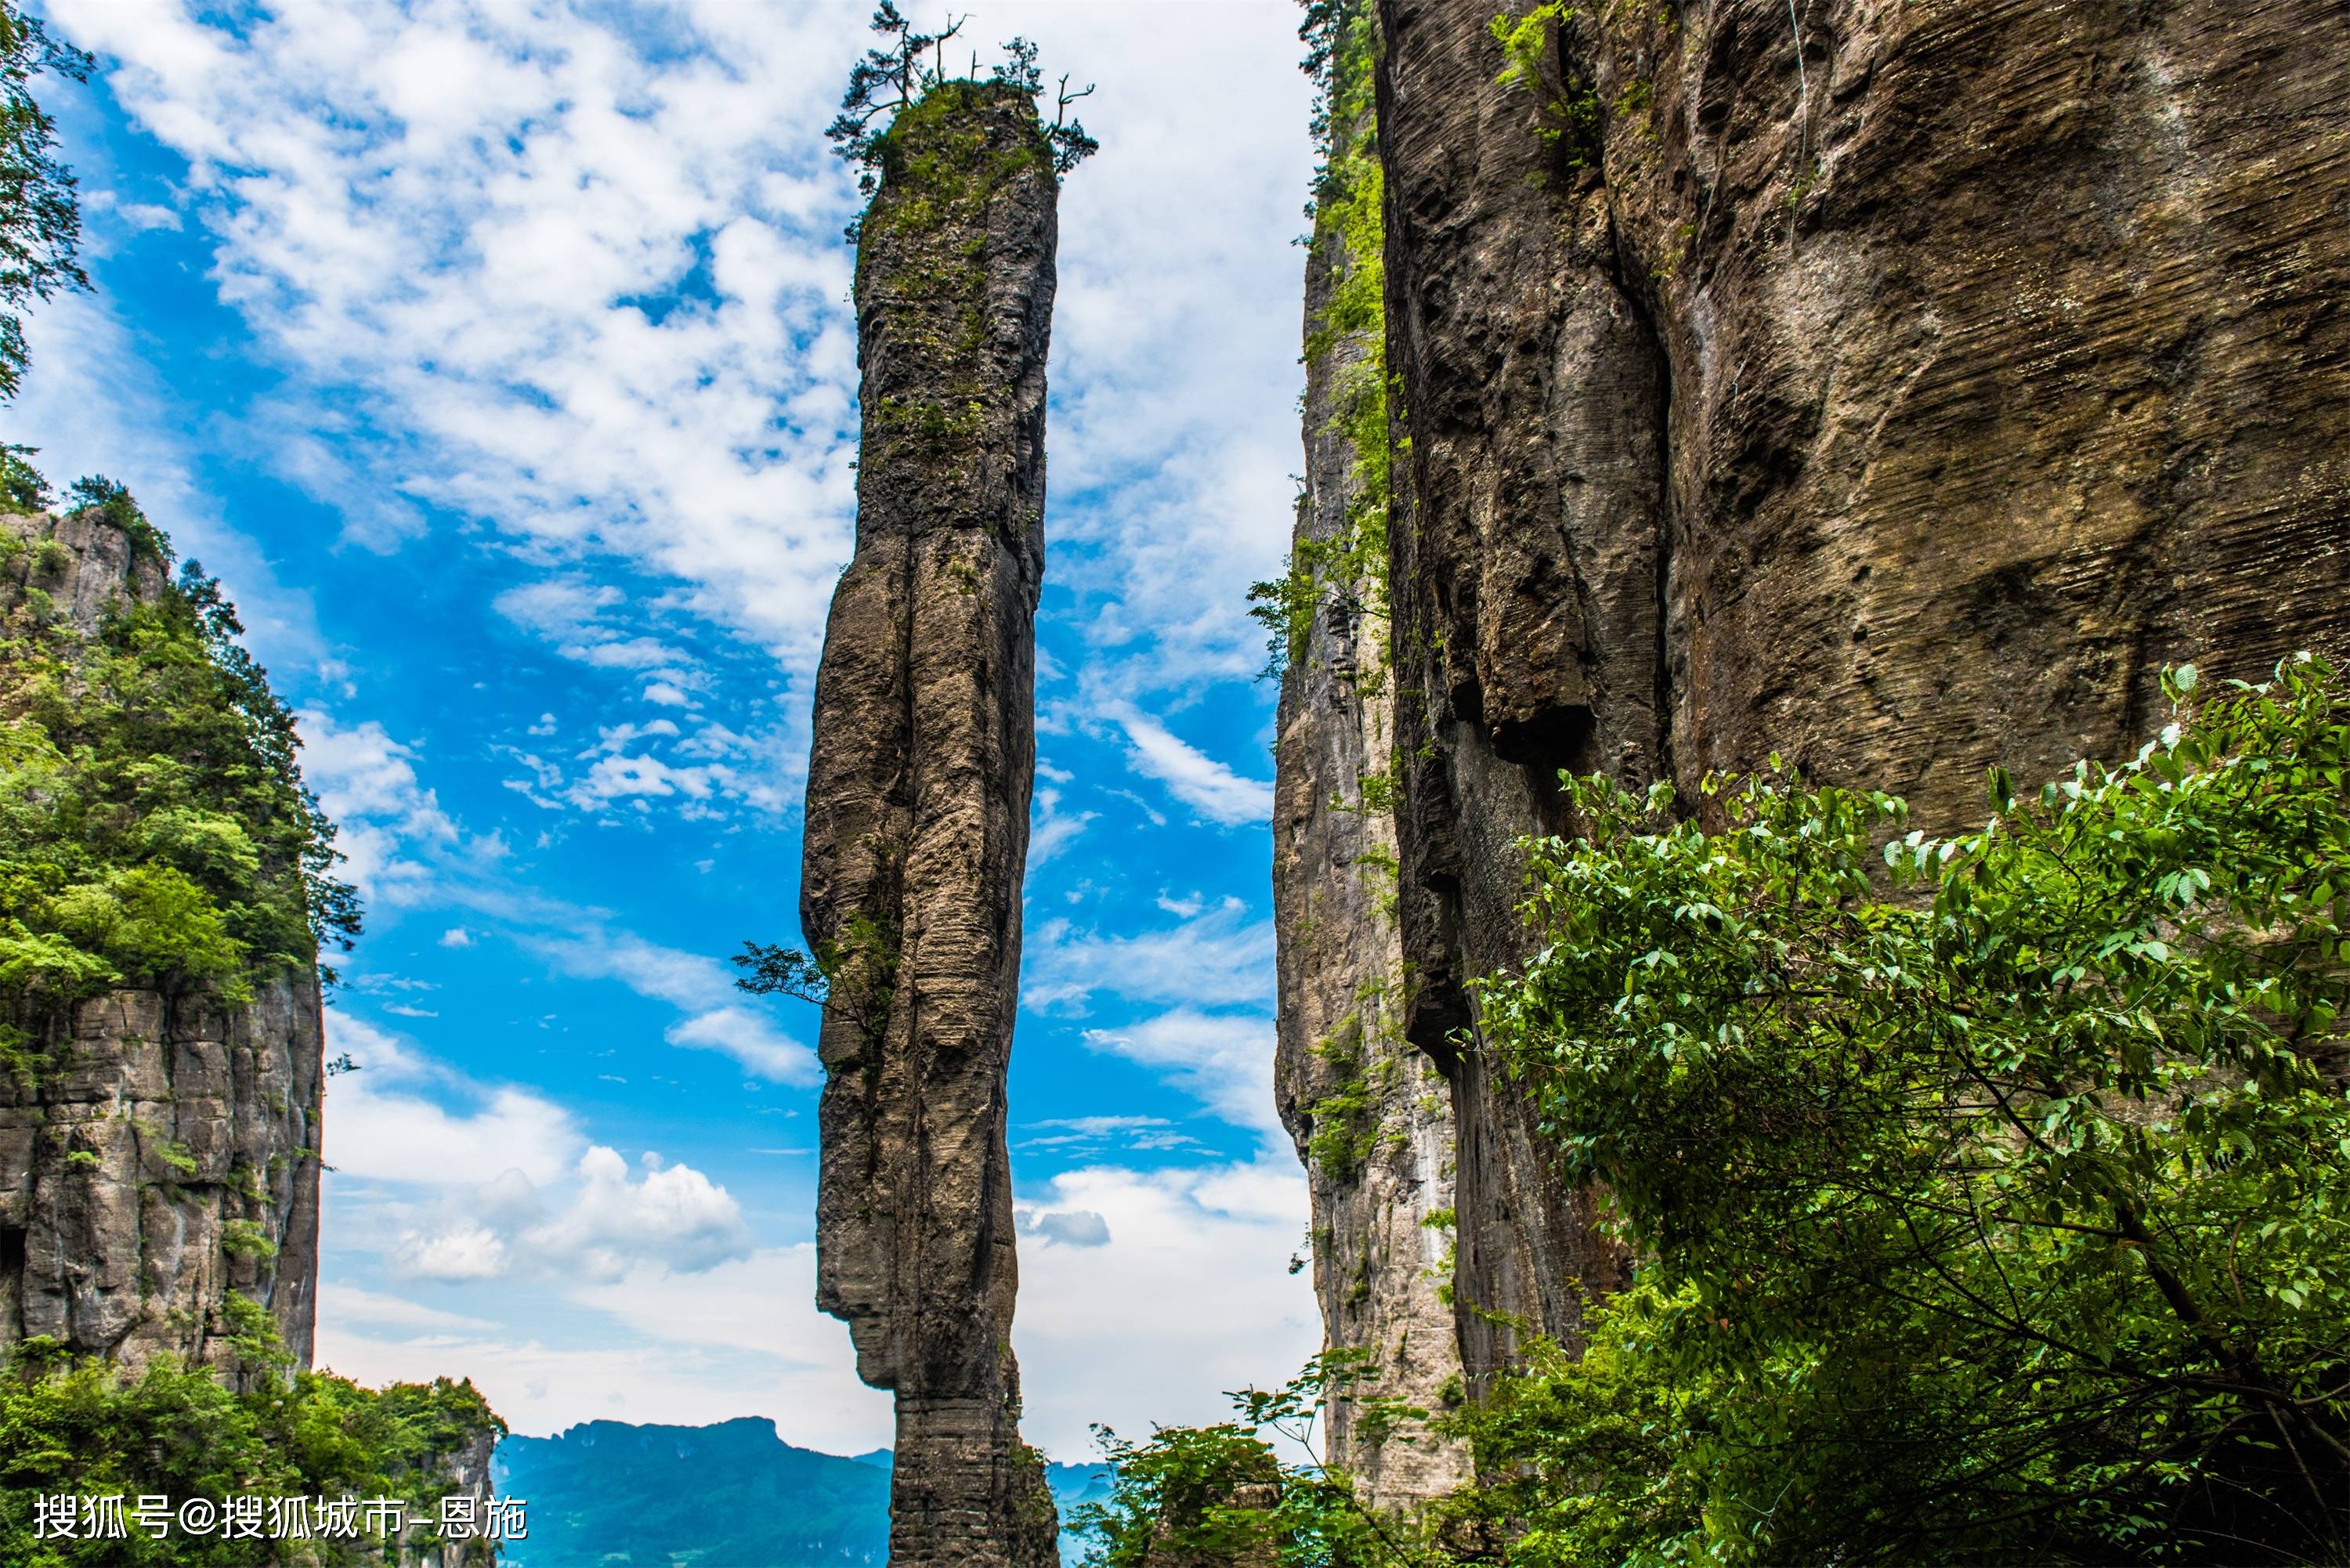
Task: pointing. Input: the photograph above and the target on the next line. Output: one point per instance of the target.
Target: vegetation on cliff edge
(1991, 1215)
(154, 826)
(77, 1428)
(1346, 338)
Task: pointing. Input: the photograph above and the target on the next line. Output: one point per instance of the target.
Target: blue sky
(496, 354)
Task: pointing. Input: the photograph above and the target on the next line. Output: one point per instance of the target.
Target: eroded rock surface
(918, 815)
(1896, 388)
(1370, 1114)
(170, 1159)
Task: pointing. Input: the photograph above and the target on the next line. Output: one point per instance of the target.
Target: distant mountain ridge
(611, 1494)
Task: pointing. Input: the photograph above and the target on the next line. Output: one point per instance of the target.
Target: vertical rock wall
(173, 1157)
(1370, 1114)
(918, 813)
(1896, 387)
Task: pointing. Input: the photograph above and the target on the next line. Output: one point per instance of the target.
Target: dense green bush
(1985, 1194)
(1995, 1214)
(154, 826)
(80, 1428)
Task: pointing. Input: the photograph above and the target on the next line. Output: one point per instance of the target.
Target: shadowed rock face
(1369, 1113)
(1901, 407)
(173, 1159)
(918, 815)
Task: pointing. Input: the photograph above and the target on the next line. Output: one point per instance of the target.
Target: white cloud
(341, 1304)
(1193, 777)
(1052, 830)
(1218, 959)
(466, 1250)
(751, 1040)
(674, 1216)
(391, 827)
(694, 983)
(687, 1350)
(1193, 1265)
(1224, 1061)
(597, 1224)
(456, 937)
(386, 1122)
(469, 219)
(1067, 1228)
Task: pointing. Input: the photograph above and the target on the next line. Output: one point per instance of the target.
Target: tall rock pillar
(918, 813)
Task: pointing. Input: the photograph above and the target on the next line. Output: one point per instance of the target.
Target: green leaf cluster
(1987, 1193)
(1221, 1494)
(1343, 46)
(40, 213)
(1568, 119)
(154, 826)
(79, 1427)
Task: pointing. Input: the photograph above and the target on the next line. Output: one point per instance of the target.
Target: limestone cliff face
(172, 1156)
(918, 813)
(1370, 1114)
(1893, 386)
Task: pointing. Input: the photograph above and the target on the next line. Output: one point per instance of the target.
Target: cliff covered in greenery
(165, 883)
(165, 889)
(1864, 400)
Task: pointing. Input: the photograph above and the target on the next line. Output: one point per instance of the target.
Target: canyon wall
(1370, 1114)
(159, 1152)
(1896, 386)
(918, 813)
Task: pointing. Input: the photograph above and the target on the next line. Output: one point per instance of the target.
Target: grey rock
(167, 1121)
(1371, 1117)
(1900, 404)
(917, 816)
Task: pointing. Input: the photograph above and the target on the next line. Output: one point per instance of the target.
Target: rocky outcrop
(918, 813)
(1893, 387)
(164, 1161)
(1370, 1115)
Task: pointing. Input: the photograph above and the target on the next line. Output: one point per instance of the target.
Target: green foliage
(1996, 1216)
(22, 488)
(81, 1426)
(40, 216)
(154, 828)
(243, 1239)
(907, 69)
(1568, 119)
(858, 969)
(1350, 566)
(1346, 1121)
(1221, 1493)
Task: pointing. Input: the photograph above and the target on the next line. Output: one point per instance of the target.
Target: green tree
(1996, 1214)
(79, 1428)
(40, 216)
(1194, 1496)
(154, 826)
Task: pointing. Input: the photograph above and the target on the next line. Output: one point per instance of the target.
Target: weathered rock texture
(1370, 1114)
(918, 815)
(1893, 386)
(174, 1158)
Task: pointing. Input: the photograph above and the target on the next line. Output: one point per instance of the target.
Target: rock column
(918, 813)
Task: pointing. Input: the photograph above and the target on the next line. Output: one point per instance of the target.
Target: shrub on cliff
(76, 1428)
(154, 826)
(1997, 1215)
(1987, 1194)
